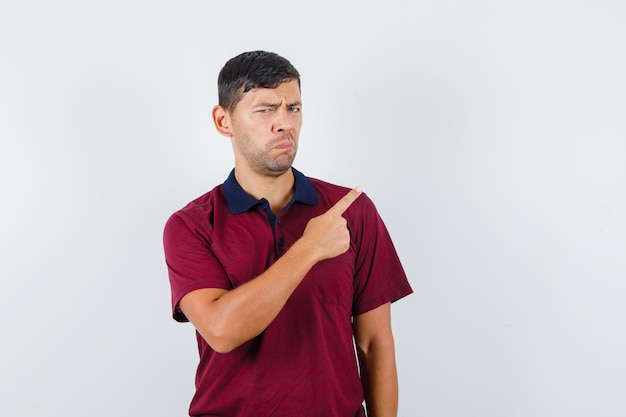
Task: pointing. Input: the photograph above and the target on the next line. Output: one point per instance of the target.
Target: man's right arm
(227, 319)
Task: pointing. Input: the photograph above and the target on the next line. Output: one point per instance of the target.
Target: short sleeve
(190, 263)
(379, 275)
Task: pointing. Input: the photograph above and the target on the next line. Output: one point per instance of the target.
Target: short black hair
(254, 69)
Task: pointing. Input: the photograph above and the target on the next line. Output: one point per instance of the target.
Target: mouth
(285, 143)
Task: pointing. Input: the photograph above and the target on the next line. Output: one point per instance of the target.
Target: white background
(491, 136)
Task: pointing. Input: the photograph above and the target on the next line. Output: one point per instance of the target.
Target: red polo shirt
(304, 363)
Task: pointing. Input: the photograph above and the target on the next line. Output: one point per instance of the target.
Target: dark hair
(255, 69)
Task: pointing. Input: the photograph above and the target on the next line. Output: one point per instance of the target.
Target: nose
(283, 122)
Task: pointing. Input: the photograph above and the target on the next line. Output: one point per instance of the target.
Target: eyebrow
(268, 104)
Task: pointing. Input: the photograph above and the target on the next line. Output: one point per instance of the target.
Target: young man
(280, 273)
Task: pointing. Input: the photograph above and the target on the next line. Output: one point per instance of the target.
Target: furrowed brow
(273, 105)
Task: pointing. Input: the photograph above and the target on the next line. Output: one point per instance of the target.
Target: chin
(275, 172)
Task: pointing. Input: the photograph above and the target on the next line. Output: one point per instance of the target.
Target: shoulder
(199, 209)
(325, 188)
(330, 193)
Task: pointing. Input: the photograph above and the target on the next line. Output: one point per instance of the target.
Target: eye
(295, 109)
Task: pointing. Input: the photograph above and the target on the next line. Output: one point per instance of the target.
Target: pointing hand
(328, 233)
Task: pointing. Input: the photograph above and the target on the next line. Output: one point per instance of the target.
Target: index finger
(342, 205)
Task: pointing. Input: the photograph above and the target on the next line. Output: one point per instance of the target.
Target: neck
(278, 191)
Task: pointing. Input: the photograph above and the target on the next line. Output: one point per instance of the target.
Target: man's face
(266, 125)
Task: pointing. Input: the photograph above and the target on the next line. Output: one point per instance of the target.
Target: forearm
(380, 380)
(243, 313)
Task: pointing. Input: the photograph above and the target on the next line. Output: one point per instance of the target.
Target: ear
(221, 118)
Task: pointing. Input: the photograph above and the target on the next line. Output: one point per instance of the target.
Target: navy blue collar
(239, 201)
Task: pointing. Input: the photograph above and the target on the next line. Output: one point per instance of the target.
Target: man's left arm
(377, 359)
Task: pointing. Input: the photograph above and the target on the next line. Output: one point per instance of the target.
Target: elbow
(220, 341)
(222, 347)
